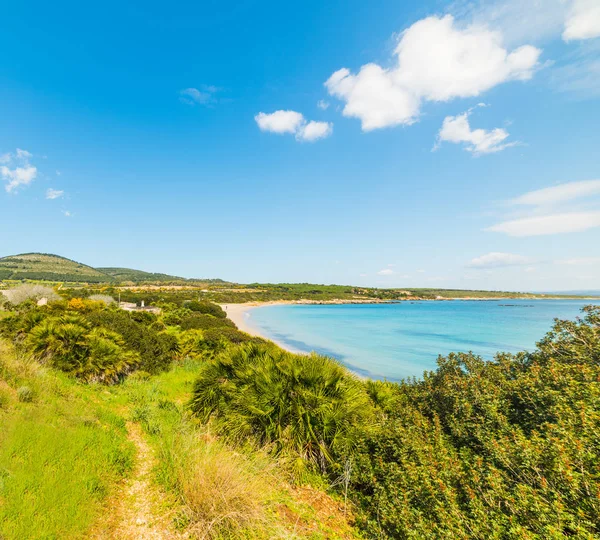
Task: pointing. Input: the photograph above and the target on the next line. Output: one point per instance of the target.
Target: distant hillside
(128, 274)
(43, 266)
(48, 267)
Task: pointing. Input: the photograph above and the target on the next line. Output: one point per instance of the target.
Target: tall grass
(60, 453)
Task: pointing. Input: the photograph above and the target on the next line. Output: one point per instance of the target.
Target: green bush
(204, 322)
(69, 343)
(213, 336)
(24, 394)
(207, 308)
(500, 449)
(156, 350)
(305, 406)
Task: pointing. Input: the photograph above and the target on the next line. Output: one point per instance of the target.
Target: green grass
(61, 453)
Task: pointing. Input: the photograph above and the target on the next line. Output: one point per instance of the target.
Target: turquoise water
(398, 340)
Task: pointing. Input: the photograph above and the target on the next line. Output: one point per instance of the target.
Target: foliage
(174, 316)
(305, 406)
(156, 349)
(198, 321)
(70, 344)
(24, 394)
(207, 308)
(502, 449)
(224, 492)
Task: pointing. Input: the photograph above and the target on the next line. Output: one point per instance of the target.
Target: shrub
(25, 292)
(70, 344)
(501, 449)
(208, 308)
(156, 350)
(4, 397)
(204, 322)
(213, 336)
(174, 317)
(25, 394)
(305, 406)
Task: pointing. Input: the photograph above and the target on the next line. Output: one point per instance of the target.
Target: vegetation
(42, 266)
(502, 449)
(156, 288)
(303, 406)
(137, 276)
(255, 442)
(61, 451)
(211, 490)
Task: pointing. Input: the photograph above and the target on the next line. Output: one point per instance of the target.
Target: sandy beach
(240, 315)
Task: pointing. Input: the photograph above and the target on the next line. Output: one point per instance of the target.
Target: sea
(400, 340)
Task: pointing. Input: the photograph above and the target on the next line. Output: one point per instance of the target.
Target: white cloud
(385, 272)
(54, 193)
(280, 121)
(194, 96)
(581, 76)
(437, 60)
(17, 171)
(373, 97)
(323, 105)
(581, 261)
(293, 122)
(456, 129)
(23, 154)
(559, 194)
(499, 260)
(66, 213)
(552, 212)
(534, 20)
(583, 20)
(314, 130)
(567, 222)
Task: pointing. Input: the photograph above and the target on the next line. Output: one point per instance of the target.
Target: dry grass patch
(225, 494)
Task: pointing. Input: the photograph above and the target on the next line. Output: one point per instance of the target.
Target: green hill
(43, 266)
(128, 274)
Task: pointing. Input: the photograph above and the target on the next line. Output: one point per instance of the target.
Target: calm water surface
(394, 341)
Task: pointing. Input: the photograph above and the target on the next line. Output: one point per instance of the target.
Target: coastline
(239, 314)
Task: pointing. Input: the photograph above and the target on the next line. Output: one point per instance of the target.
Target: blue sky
(381, 143)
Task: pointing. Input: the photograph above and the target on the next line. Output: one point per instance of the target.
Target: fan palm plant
(70, 344)
(301, 405)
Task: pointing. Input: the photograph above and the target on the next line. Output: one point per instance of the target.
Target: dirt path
(139, 509)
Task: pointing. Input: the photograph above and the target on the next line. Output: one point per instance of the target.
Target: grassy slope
(40, 266)
(137, 276)
(63, 454)
(60, 453)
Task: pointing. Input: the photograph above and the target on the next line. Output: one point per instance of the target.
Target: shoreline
(239, 312)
